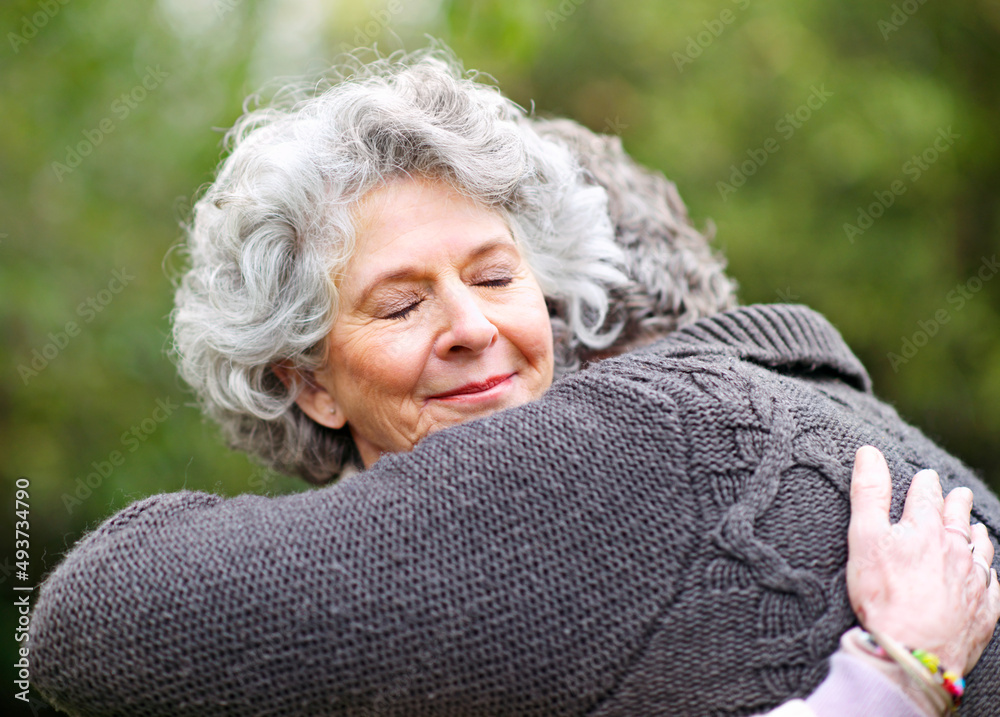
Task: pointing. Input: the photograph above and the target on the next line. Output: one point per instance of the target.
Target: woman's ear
(314, 397)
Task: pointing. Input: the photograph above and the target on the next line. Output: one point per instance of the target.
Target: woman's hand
(917, 581)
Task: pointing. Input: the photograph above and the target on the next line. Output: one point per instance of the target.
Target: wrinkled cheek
(390, 372)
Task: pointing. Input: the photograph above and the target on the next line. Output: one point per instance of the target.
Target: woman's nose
(467, 328)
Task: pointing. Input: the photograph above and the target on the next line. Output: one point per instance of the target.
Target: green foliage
(815, 110)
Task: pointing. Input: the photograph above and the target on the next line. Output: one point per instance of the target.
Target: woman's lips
(471, 390)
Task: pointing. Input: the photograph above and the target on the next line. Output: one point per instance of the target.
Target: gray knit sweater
(663, 533)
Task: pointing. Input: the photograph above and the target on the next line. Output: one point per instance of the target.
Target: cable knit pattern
(662, 533)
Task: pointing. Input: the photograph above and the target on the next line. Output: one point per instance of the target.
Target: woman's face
(440, 321)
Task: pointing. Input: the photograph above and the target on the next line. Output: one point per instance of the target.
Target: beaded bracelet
(925, 667)
(952, 682)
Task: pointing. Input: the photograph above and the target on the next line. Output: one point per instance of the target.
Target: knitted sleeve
(508, 566)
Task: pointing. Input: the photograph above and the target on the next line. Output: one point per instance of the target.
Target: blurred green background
(804, 131)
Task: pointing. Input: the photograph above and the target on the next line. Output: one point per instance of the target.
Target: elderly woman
(660, 532)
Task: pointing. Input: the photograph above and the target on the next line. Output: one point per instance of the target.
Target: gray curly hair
(609, 242)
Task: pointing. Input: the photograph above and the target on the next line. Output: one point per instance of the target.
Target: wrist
(916, 673)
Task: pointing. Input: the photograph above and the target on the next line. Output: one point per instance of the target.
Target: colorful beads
(950, 682)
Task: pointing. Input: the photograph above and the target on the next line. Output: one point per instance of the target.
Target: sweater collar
(784, 337)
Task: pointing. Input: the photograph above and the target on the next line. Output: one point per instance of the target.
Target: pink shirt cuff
(855, 688)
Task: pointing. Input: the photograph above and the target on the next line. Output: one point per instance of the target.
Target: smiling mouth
(473, 388)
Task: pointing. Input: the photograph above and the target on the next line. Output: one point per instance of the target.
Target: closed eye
(495, 283)
(404, 312)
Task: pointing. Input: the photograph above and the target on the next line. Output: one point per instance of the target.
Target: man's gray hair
(269, 237)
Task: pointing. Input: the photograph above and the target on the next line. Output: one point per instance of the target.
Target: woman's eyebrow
(504, 243)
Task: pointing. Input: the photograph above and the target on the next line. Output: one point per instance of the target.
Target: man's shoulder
(789, 339)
